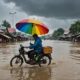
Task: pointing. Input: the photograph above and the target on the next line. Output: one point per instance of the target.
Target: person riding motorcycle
(36, 48)
(36, 54)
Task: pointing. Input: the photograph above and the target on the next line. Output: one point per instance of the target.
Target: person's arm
(26, 47)
(34, 45)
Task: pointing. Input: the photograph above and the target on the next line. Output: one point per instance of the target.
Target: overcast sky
(54, 13)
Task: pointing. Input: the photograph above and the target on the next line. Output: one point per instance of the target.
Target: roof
(1, 31)
(2, 27)
(5, 36)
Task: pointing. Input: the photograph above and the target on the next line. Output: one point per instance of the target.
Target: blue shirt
(37, 46)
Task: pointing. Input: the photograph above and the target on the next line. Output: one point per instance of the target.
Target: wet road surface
(65, 64)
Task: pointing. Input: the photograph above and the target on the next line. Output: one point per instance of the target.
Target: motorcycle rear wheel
(44, 60)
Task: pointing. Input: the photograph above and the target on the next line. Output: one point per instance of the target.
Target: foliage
(57, 33)
(75, 28)
(6, 24)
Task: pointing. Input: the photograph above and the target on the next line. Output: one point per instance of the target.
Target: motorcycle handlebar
(26, 47)
(23, 46)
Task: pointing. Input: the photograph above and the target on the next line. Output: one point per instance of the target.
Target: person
(36, 47)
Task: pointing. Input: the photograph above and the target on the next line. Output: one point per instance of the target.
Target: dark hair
(35, 35)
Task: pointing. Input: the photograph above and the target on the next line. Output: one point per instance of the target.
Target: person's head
(35, 36)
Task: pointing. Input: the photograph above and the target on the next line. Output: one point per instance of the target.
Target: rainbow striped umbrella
(32, 26)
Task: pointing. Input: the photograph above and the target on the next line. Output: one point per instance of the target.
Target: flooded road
(65, 64)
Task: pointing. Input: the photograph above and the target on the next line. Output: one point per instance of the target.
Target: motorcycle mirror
(20, 45)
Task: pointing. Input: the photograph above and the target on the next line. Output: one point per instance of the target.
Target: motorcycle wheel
(16, 61)
(44, 60)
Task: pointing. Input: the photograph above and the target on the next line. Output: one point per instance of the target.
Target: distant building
(3, 28)
(4, 38)
(66, 36)
(48, 36)
(1, 31)
(11, 30)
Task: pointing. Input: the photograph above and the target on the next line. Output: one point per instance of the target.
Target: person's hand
(20, 44)
(31, 43)
(26, 47)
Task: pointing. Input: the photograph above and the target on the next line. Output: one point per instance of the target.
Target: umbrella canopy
(32, 26)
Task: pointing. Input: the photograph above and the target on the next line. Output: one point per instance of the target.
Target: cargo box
(47, 50)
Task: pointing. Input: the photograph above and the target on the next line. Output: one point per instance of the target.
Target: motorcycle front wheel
(16, 61)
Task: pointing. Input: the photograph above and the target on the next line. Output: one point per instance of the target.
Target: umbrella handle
(30, 40)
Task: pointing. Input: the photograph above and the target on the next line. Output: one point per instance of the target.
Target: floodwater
(65, 64)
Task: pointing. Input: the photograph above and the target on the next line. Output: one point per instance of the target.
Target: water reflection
(75, 51)
(33, 73)
(75, 54)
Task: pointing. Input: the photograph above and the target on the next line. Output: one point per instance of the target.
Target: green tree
(57, 33)
(6, 24)
(60, 31)
(75, 28)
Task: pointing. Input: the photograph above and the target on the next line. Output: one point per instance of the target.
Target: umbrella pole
(30, 40)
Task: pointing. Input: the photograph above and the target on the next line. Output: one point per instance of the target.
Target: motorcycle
(41, 60)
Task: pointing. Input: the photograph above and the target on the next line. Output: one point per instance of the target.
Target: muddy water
(65, 64)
